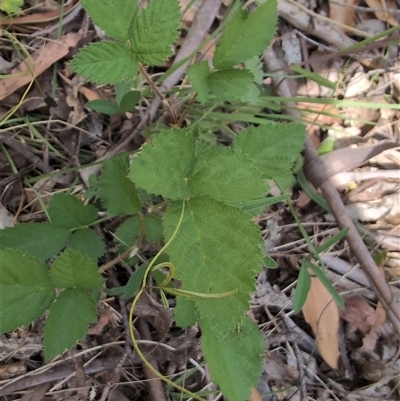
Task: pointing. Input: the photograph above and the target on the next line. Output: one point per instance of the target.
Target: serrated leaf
(254, 65)
(68, 321)
(269, 263)
(105, 62)
(128, 232)
(25, 289)
(233, 84)
(163, 165)
(234, 358)
(246, 35)
(185, 312)
(42, 240)
(68, 211)
(115, 17)
(198, 74)
(72, 269)
(103, 106)
(87, 242)
(129, 101)
(226, 176)
(272, 147)
(153, 229)
(116, 191)
(215, 251)
(302, 288)
(155, 30)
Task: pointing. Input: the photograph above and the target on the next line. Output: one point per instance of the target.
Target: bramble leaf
(226, 176)
(246, 35)
(233, 84)
(87, 242)
(123, 13)
(25, 289)
(69, 211)
(215, 251)
(128, 232)
(198, 74)
(116, 191)
(234, 357)
(74, 270)
(105, 62)
(68, 321)
(272, 147)
(152, 228)
(155, 30)
(185, 312)
(163, 165)
(42, 240)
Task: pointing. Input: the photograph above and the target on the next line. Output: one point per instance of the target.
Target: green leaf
(128, 232)
(234, 357)
(115, 17)
(233, 84)
(153, 229)
(327, 284)
(215, 251)
(68, 321)
(129, 101)
(116, 191)
(103, 106)
(254, 65)
(313, 77)
(257, 206)
(135, 281)
(87, 242)
(185, 312)
(333, 240)
(269, 263)
(42, 240)
(198, 74)
(302, 288)
(68, 211)
(163, 165)
(105, 62)
(226, 176)
(272, 147)
(155, 30)
(74, 270)
(25, 289)
(246, 35)
(11, 6)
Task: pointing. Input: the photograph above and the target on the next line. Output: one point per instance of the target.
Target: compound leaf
(198, 74)
(25, 289)
(272, 147)
(116, 191)
(72, 269)
(226, 176)
(42, 240)
(68, 321)
(104, 14)
(152, 227)
(246, 35)
(68, 211)
(87, 242)
(155, 30)
(105, 62)
(163, 165)
(233, 84)
(234, 357)
(215, 251)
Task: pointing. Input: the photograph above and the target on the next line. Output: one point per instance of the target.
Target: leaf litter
(363, 331)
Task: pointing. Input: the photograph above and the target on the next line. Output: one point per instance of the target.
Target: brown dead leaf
(255, 395)
(384, 16)
(359, 313)
(36, 18)
(39, 61)
(342, 14)
(322, 314)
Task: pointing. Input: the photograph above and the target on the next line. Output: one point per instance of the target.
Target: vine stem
(133, 306)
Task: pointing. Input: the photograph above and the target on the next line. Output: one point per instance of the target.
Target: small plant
(210, 193)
